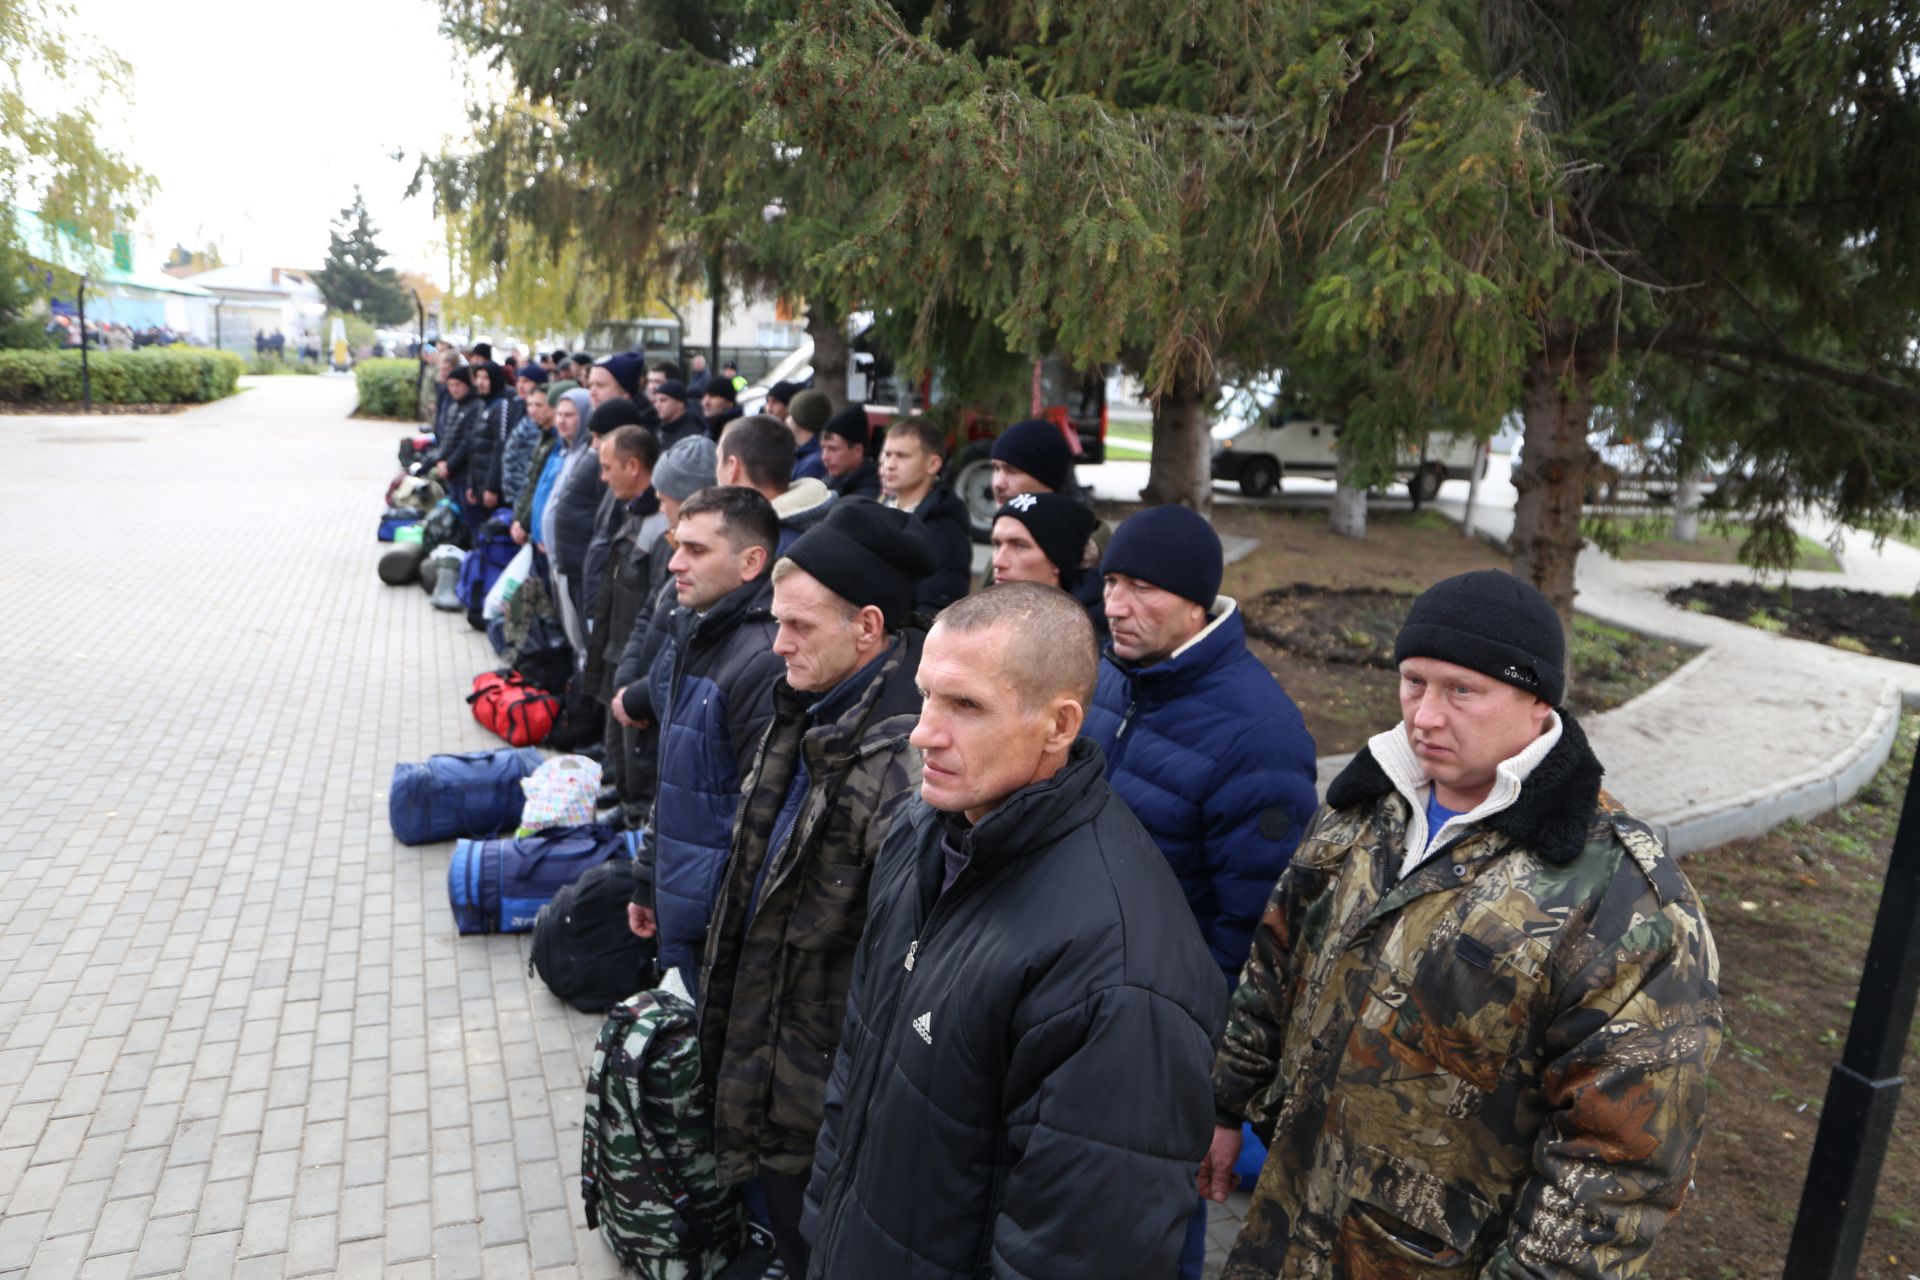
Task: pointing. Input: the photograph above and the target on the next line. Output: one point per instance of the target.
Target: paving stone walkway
(238, 1035)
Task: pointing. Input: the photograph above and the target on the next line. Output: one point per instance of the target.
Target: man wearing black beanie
(1525, 1023)
(831, 772)
(1033, 456)
(1042, 537)
(843, 451)
(1200, 740)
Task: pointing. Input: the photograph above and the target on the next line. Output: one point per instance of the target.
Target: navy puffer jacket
(1213, 757)
(723, 673)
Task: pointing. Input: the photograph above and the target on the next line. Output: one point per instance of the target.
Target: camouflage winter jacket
(774, 983)
(1494, 1067)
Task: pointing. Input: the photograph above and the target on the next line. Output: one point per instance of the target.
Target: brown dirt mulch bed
(1791, 913)
(99, 410)
(1861, 621)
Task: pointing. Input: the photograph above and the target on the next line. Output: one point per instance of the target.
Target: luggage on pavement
(560, 794)
(444, 527)
(393, 519)
(402, 564)
(511, 705)
(413, 448)
(499, 886)
(447, 561)
(475, 794)
(646, 1149)
(582, 947)
(492, 552)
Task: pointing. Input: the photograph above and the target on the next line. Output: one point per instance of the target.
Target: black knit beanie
(868, 554)
(462, 374)
(1174, 548)
(1060, 526)
(614, 414)
(1493, 623)
(722, 388)
(1038, 448)
(850, 424)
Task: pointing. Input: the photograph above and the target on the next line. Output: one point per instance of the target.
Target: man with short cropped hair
(721, 699)
(758, 452)
(844, 441)
(627, 460)
(1476, 1022)
(1022, 1076)
(831, 772)
(912, 461)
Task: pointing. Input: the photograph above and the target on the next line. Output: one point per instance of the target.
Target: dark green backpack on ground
(646, 1149)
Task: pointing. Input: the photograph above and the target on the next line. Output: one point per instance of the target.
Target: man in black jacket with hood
(1022, 1084)
(911, 462)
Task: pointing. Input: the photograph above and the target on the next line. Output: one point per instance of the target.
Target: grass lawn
(1791, 912)
(1650, 538)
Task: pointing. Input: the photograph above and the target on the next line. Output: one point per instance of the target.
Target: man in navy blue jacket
(1201, 741)
(720, 704)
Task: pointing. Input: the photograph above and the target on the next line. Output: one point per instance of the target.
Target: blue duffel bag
(499, 886)
(477, 794)
(493, 550)
(394, 519)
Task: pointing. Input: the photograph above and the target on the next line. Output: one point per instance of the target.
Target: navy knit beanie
(672, 389)
(1038, 448)
(1174, 548)
(868, 554)
(1491, 622)
(627, 370)
(533, 373)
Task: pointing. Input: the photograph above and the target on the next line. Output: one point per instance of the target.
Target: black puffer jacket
(456, 440)
(951, 528)
(489, 440)
(1022, 1085)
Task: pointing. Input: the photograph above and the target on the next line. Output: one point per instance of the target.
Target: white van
(1257, 452)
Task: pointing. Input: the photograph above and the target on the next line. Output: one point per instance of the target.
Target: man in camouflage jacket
(1477, 1018)
(831, 772)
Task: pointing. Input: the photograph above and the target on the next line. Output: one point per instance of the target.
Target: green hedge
(388, 388)
(170, 375)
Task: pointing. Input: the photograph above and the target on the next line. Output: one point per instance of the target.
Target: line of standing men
(964, 907)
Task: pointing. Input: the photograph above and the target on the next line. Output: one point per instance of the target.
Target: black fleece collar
(1552, 816)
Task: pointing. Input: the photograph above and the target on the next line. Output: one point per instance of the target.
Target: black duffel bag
(582, 947)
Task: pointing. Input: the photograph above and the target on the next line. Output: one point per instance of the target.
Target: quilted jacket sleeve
(1263, 796)
(1115, 1204)
(1626, 1077)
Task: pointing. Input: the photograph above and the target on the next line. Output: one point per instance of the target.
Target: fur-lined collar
(1551, 816)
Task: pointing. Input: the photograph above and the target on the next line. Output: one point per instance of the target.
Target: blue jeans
(1193, 1254)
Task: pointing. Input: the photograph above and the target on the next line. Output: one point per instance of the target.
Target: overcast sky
(257, 117)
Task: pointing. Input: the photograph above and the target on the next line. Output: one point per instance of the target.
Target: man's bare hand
(518, 533)
(640, 920)
(1216, 1176)
(490, 499)
(617, 705)
(440, 469)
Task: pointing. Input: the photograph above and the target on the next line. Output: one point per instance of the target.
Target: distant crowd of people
(1007, 904)
(108, 335)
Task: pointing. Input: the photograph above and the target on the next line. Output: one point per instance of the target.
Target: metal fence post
(86, 368)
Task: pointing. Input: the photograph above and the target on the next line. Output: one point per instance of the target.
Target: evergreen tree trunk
(1473, 489)
(830, 352)
(1551, 482)
(1181, 470)
(1348, 518)
(1686, 508)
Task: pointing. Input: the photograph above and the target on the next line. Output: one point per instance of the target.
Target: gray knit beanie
(685, 469)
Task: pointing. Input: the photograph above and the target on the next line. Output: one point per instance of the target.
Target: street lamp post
(1864, 1090)
(86, 368)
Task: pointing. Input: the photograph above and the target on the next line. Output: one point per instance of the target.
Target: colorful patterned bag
(560, 793)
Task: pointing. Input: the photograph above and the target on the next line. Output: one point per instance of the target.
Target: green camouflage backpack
(646, 1150)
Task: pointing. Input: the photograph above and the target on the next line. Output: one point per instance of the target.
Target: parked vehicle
(1257, 442)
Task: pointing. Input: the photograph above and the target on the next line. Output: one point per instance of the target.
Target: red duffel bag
(514, 707)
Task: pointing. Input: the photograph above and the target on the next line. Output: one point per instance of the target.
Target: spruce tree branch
(1708, 346)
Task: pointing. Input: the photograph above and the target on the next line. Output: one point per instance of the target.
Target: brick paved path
(238, 1034)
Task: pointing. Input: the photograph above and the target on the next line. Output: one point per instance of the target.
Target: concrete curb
(1806, 795)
